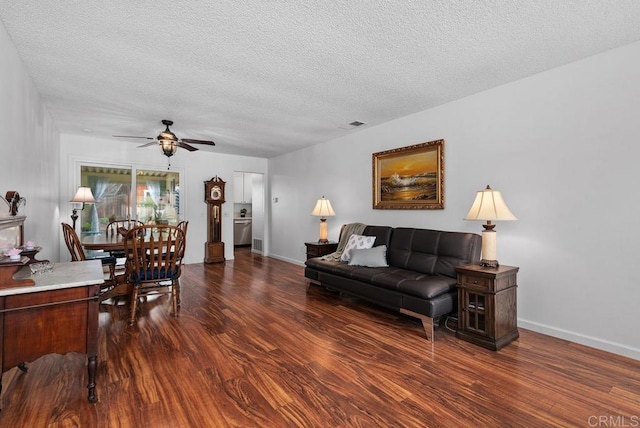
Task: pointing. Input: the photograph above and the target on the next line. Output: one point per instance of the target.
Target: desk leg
(91, 367)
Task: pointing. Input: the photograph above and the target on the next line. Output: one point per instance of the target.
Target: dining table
(113, 242)
(103, 242)
(109, 243)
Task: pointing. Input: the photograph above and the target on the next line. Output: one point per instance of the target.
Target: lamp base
(322, 239)
(489, 263)
(74, 217)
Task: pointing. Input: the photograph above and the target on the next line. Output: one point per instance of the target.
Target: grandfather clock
(214, 197)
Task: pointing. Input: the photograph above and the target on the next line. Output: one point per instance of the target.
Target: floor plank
(254, 346)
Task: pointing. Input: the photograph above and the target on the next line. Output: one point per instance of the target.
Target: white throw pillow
(369, 257)
(356, 241)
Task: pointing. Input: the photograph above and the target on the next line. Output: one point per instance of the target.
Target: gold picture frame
(409, 178)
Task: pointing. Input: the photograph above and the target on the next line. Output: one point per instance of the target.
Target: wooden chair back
(153, 253)
(78, 254)
(184, 225)
(73, 243)
(112, 227)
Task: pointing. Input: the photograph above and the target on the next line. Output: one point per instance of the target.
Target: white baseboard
(594, 342)
(288, 260)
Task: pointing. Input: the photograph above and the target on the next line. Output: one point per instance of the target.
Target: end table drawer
(475, 281)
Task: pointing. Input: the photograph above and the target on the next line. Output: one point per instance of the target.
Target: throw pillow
(369, 257)
(356, 241)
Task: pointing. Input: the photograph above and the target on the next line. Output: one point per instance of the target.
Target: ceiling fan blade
(131, 136)
(189, 140)
(149, 144)
(186, 146)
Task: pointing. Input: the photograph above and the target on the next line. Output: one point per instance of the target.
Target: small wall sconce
(84, 196)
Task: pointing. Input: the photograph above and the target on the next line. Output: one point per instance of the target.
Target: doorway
(248, 211)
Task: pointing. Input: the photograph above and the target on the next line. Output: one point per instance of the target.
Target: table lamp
(323, 209)
(489, 206)
(84, 196)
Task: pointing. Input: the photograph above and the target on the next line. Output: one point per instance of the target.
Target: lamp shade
(489, 205)
(323, 208)
(84, 196)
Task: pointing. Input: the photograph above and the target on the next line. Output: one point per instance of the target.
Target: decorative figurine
(14, 201)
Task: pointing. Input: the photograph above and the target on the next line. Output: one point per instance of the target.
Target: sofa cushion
(455, 249)
(406, 281)
(369, 257)
(356, 242)
(382, 234)
(428, 287)
(322, 265)
(414, 249)
(432, 252)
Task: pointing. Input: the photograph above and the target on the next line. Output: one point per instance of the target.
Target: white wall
(195, 169)
(562, 146)
(30, 151)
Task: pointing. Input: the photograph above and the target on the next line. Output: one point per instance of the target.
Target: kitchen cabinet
(242, 185)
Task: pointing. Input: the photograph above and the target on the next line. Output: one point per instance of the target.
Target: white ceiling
(262, 78)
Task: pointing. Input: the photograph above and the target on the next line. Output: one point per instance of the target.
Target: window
(156, 198)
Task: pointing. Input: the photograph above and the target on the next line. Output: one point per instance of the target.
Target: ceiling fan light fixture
(168, 141)
(167, 135)
(168, 146)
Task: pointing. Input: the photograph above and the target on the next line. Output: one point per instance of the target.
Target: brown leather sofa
(420, 280)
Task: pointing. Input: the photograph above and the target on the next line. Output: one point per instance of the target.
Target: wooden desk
(54, 312)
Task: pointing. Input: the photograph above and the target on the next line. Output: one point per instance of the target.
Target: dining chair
(184, 225)
(114, 227)
(153, 262)
(78, 254)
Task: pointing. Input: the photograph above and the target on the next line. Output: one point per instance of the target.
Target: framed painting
(410, 177)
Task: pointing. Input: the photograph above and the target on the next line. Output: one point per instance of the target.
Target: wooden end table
(319, 249)
(487, 305)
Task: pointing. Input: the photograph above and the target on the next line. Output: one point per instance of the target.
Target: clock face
(216, 193)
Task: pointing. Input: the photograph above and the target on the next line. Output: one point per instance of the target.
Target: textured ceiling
(263, 78)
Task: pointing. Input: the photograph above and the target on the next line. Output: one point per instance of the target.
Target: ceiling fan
(168, 141)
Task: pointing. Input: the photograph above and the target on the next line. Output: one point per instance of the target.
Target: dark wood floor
(253, 348)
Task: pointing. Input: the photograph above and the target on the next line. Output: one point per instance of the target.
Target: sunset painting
(409, 177)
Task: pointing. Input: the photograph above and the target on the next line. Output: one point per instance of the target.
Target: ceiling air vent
(352, 125)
